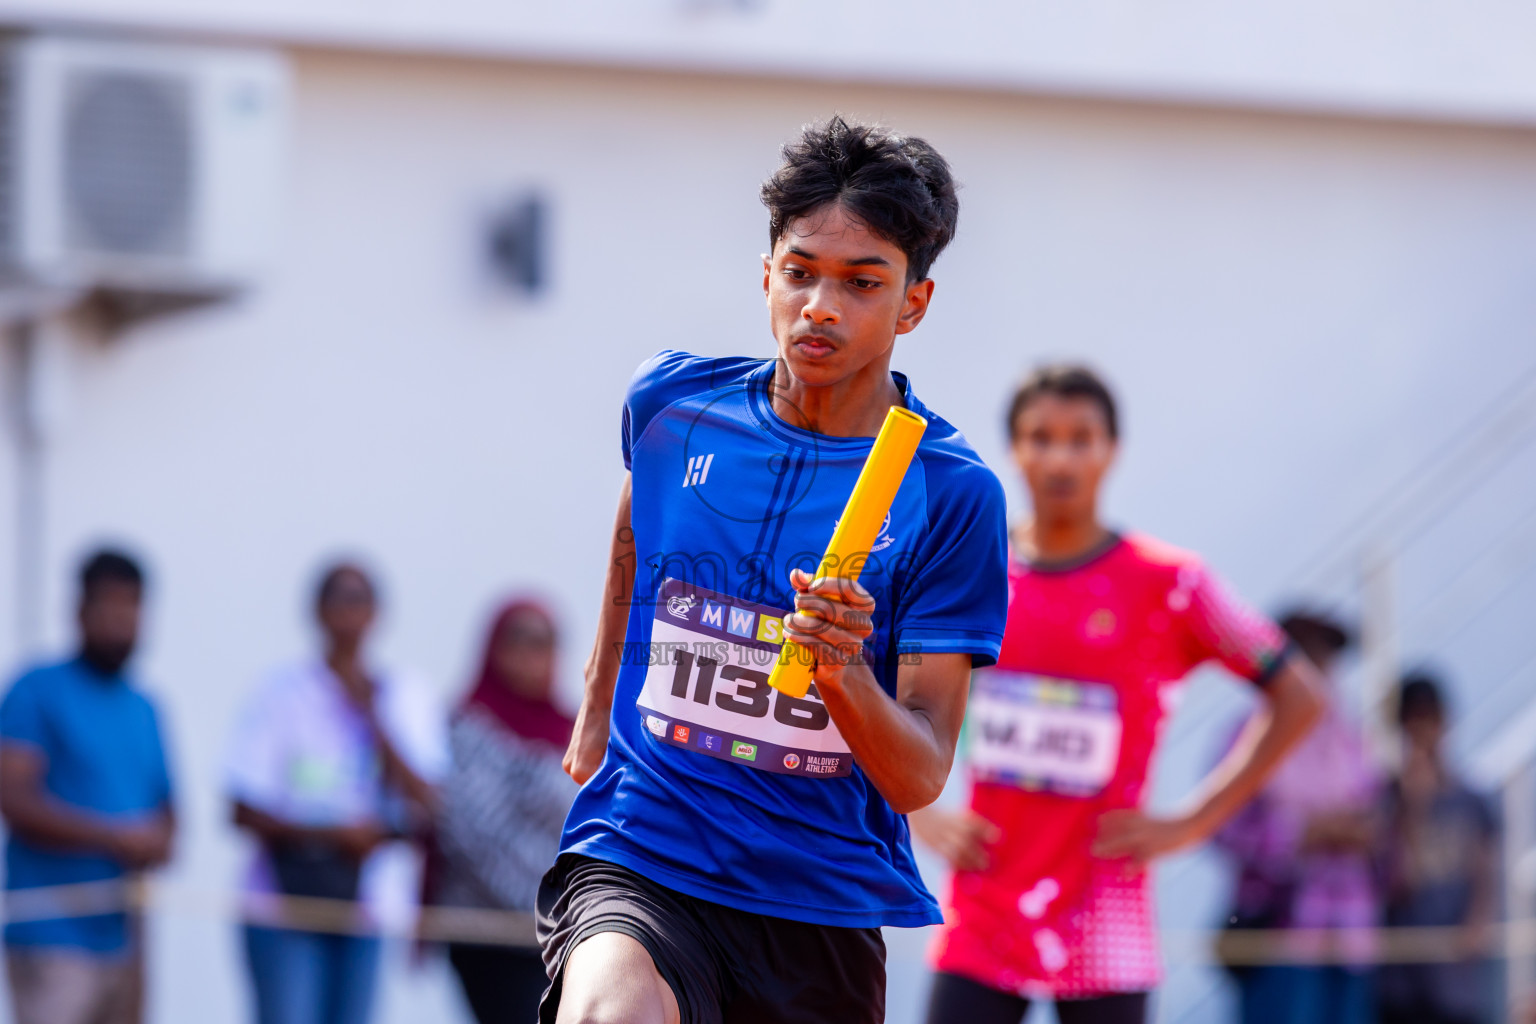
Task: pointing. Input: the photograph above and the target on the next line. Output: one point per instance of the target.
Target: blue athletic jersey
(714, 784)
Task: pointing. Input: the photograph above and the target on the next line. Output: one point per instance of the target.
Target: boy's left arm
(905, 746)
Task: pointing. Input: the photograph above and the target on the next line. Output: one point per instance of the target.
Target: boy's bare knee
(611, 979)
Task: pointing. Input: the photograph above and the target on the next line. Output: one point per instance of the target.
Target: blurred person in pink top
(1303, 852)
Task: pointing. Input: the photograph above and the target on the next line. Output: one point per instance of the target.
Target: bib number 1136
(708, 689)
(744, 691)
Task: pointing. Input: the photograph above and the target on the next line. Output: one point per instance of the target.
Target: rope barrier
(139, 895)
(1258, 947)
(486, 926)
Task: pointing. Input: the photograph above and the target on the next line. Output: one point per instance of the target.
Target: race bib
(706, 688)
(1058, 735)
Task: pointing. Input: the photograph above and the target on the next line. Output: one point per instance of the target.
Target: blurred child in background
(1439, 854)
(1303, 851)
(331, 760)
(502, 806)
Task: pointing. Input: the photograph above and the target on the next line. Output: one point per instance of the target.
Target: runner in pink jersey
(1051, 897)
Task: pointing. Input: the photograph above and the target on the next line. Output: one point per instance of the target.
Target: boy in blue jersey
(735, 850)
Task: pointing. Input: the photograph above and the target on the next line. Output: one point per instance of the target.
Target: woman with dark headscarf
(503, 805)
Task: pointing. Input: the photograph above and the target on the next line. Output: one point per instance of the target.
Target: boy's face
(838, 295)
(1062, 446)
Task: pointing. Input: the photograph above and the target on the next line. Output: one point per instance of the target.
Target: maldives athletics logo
(791, 760)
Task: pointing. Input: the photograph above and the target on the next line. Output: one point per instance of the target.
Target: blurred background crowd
(338, 763)
(318, 317)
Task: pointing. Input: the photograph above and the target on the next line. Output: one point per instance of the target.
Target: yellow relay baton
(857, 530)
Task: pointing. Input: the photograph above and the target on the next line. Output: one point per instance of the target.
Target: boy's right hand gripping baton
(857, 530)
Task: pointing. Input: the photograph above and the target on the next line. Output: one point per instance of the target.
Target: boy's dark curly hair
(901, 187)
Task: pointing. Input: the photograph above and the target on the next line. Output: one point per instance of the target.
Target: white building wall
(1295, 311)
(1457, 60)
(9, 548)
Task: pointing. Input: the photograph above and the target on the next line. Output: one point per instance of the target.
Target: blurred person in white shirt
(333, 759)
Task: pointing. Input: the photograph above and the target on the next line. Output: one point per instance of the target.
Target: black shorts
(725, 966)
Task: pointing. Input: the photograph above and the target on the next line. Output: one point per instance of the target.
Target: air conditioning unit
(138, 168)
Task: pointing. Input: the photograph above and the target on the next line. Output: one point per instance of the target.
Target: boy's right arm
(589, 740)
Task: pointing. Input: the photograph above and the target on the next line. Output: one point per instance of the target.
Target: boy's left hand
(832, 619)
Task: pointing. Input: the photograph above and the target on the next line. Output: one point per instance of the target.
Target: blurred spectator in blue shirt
(86, 793)
(1439, 855)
